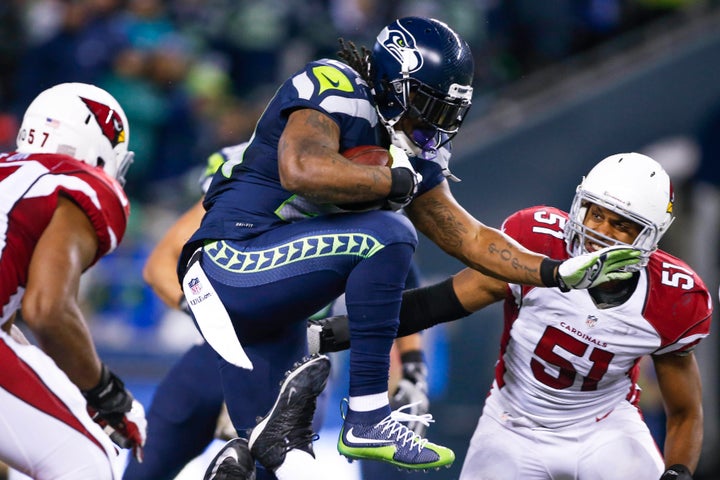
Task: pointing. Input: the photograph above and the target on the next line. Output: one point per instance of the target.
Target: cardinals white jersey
(30, 185)
(564, 359)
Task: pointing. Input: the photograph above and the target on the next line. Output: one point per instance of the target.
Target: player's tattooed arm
(310, 164)
(438, 216)
(443, 221)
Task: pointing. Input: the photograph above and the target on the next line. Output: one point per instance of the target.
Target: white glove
(329, 334)
(591, 269)
(400, 160)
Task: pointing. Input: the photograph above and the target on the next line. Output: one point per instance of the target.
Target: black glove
(677, 472)
(412, 389)
(121, 416)
(330, 334)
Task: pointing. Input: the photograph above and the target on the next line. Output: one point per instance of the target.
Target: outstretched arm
(490, 251)
(438, 216)
(451, 299)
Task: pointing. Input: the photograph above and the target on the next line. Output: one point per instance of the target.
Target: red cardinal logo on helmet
(110, 122)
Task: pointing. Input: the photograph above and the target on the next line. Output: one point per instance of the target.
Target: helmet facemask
(123, 165)
(445, 113)
(436, 117)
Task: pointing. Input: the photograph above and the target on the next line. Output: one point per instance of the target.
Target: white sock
(299, 465)
(368, 403)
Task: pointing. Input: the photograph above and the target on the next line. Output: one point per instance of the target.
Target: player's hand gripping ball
(372, 155)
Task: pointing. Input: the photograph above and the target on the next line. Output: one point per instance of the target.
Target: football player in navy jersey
(274, 246)
(63, 208)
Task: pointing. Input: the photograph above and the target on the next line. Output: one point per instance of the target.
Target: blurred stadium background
(560, 85)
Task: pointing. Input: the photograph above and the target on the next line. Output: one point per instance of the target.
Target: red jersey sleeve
(539, 229)
(100, 197)
(679, 305)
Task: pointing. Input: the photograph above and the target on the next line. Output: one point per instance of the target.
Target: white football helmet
(632, 185)
(79, 120)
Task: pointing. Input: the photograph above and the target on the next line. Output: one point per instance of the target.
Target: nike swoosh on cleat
(365, 441)
(291, 392)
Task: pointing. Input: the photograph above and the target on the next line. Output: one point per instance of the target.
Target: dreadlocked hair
(358, 60)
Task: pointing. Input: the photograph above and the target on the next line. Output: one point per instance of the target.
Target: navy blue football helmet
(421, 68)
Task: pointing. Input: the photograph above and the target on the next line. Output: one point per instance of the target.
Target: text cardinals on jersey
(573, 359)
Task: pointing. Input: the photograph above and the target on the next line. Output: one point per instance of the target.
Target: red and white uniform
(45, 430)
(564, 399)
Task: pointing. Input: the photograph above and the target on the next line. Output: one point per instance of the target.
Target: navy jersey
(246, 198)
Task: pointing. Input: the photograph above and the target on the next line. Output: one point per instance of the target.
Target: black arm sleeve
(427, 306)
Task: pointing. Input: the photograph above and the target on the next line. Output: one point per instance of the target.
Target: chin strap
(402, 141)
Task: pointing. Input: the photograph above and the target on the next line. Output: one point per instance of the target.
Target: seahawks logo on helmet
(402, 46)
(109, 120)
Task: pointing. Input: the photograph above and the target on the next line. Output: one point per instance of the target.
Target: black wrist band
(547, 272)
(403, 182)
(424, 307)
(679, 469)
(105, 378)
(415, 356)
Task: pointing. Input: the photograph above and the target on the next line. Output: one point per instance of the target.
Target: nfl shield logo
(591, 320)
(195, 286)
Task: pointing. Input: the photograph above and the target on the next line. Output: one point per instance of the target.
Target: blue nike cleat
(392, 442)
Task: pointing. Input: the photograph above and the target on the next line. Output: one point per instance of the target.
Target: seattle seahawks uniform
(33, 389)
(274, 258)
(563, 404)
